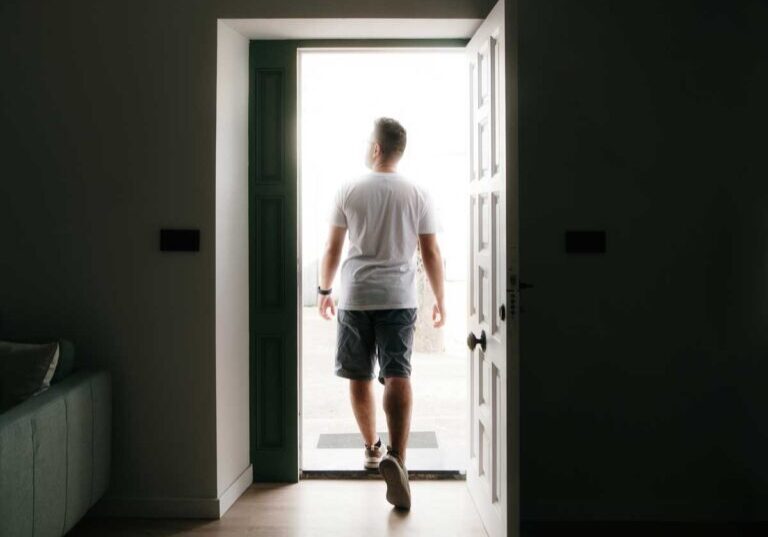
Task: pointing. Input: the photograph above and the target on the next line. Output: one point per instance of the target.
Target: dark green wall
(643, 370)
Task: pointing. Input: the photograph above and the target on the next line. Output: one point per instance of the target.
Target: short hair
(390, 136)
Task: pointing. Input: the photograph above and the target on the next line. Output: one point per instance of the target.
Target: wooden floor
(317, 508)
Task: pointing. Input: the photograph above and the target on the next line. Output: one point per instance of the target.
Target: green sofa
(55, 456)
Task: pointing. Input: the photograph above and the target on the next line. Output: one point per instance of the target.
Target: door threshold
(413, 475)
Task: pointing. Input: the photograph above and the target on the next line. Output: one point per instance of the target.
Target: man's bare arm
(331, 256)
(433, 264)
(328, 267)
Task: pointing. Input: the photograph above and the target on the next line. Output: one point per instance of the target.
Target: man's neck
(384, 168)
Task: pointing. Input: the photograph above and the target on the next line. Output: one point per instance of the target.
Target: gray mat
(416, 440)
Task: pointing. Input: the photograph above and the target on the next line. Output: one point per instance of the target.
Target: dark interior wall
(107, 133)
(643, 370)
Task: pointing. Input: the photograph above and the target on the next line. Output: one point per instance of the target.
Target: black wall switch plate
(585, 242)
(180, 240)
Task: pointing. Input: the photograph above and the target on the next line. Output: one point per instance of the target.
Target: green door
(275, 282)
(273, 261)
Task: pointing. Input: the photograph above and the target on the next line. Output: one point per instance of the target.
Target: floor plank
(317, 508)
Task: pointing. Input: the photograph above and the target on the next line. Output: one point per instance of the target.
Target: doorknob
(472, 341)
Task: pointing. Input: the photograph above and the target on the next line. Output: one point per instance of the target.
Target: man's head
(387, 144)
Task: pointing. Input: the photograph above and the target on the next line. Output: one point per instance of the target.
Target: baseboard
(205, 508)
(235, 490)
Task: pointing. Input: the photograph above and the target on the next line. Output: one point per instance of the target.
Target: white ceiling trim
(354, 28)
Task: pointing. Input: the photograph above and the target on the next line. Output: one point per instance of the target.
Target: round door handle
(472, 341)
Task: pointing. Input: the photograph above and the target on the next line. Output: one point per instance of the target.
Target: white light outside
(342, 92)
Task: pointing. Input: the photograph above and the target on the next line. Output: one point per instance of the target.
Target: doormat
(416, 440)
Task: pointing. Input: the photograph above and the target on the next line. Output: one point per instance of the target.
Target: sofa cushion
(16, 470)
(49, 466)
(79, 495)
(24, 370)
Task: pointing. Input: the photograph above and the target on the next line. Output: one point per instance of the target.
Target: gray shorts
(364, 335)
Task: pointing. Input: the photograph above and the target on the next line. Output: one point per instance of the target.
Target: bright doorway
(341, 92)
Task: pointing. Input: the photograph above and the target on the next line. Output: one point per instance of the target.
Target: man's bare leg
(364, 407)
(398, 400)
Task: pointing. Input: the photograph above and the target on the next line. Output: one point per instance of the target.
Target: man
(387, 218)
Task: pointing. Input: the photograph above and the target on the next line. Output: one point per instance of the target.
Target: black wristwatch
(323, 291)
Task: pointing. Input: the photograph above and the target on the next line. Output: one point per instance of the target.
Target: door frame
(343, 28)
(341, 46)
(290, 472)
(275, 333)
(280, 461)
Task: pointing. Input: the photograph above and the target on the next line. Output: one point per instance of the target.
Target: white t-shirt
(384, 215)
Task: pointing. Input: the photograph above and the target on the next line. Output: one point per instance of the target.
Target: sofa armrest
(55, 455)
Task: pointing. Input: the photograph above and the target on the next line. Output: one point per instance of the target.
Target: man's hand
(438, 315)
(325, 303)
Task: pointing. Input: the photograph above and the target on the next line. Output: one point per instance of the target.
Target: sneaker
(395, 474)
(373, 455)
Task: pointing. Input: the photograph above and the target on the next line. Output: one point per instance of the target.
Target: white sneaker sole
(398, 491)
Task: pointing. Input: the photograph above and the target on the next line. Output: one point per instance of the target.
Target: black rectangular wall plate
(179, 240)
(585, 242)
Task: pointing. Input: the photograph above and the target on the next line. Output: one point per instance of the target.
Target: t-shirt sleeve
(337, 216)
(429, 221)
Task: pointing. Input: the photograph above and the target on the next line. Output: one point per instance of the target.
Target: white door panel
(490, 320)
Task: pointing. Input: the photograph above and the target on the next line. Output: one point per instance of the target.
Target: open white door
(492, 474)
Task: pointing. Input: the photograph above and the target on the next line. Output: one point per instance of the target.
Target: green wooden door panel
(273, 261)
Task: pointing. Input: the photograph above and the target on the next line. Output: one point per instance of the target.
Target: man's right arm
(433, 264)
